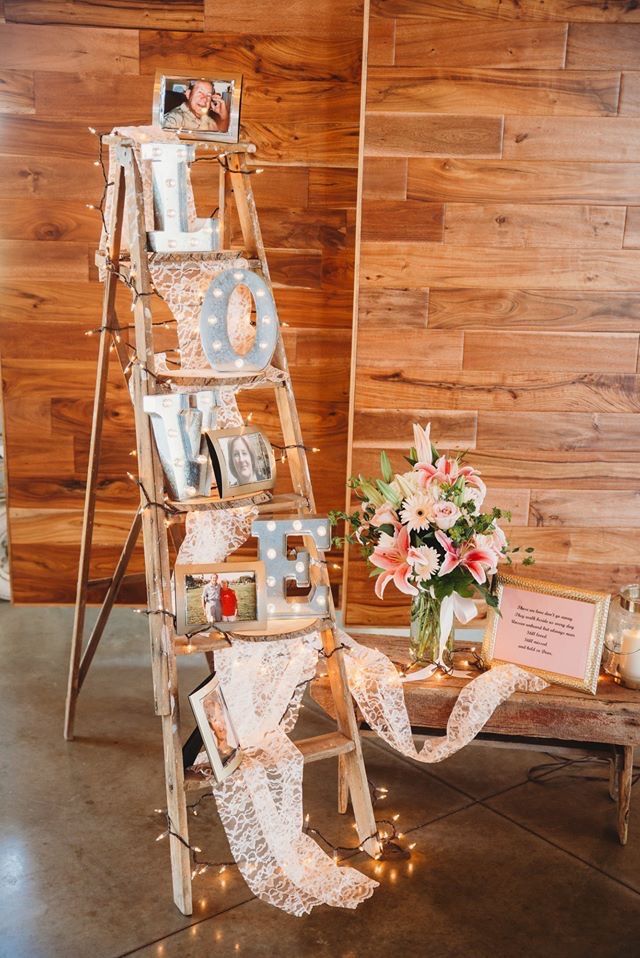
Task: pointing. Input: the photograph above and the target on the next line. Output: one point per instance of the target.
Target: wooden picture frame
(257, 452)
(216, 728)
(198, 611)
(171, 93)
(555, 631)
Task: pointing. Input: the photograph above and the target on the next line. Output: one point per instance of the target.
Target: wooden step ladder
(167, 647)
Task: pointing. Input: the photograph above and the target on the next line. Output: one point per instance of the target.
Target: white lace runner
(379, 692)
(260, 805)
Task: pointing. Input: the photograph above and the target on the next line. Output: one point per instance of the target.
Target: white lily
(422, 442)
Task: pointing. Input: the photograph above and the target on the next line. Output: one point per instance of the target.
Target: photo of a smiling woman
(247, 459)
(243, 460)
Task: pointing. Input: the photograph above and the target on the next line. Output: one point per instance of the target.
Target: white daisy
(417, 512)
(425, 561)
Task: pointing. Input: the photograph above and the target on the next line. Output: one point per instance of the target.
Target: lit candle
(629, 660)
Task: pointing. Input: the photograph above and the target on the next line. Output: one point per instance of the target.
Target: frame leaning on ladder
(166, 646)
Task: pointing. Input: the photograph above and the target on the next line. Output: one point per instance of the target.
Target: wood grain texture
(65, 49)
(535, 268)
(534, 309)
(593, 46)
(96, 69)
(432, 134)
(435, 264)
(444, 348)
(263, 57)
(376, 428)
(177, 15)
(390, 220)
(380, 307)
(521, 351)
(305, 18)
(630, 94)
(384, 178)
(445, 43)
(16, 92)
(584, 508)
(527, 181)
(583, 138)
(492, 92)
(398, 384)
(613, 11)
(518, 225)
(382, 35)
(632, 228)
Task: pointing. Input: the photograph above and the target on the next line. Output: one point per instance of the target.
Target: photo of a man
(202, 109)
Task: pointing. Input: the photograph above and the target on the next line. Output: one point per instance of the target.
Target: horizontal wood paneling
(534, 309)
(16, 92)
(452, 44)
(304, 18)
(66, 49)
(583, 138)
(492, 92)
(513, 226)
(427, 134)
(614, 11)
(375, 348)
(379, 307)
(265, 57)
(603, 46)
(398, 384)
(176, 15)
(402, 219)
(426, 264)
(550, 181)
(535, 275)
(92, 64)
(520, 351)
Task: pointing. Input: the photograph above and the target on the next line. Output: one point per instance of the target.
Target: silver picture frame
(200, 605)
(170, 106)
(242, 460)
(216, 727)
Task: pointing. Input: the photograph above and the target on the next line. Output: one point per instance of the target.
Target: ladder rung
(313, 750)
(324, 746)
(278, 629)
(283, 502)
(230, 256)
(272, 378)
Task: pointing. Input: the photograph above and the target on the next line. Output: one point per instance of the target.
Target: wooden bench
(558, 720)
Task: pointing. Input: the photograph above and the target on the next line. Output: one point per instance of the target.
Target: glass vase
(424, 632)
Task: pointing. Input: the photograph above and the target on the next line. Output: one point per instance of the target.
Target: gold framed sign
(553, 630)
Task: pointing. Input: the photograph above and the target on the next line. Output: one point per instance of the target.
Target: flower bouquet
(425, 532)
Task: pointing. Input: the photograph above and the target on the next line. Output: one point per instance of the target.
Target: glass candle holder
(621, 656)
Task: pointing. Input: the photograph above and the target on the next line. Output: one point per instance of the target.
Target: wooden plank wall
(500, 272)
(67, 65)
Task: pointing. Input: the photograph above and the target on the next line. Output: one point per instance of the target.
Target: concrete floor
(502, 867)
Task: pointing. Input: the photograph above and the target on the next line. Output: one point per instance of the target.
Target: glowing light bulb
(271, 553)
(297, 525)
(271, 581)
(271, 526)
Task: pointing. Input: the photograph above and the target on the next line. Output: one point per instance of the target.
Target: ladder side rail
(102, 373)
(156, 550)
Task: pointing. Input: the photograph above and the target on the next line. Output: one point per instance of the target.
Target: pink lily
(444, 471)
(476, 561)
(391, 554)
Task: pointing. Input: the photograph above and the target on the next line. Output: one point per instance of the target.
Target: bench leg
(624, 793)
(615, 764)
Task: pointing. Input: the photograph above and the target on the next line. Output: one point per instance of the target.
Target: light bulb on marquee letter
(169, 171)
(178, 421)
(214, 331)
(272, 537)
